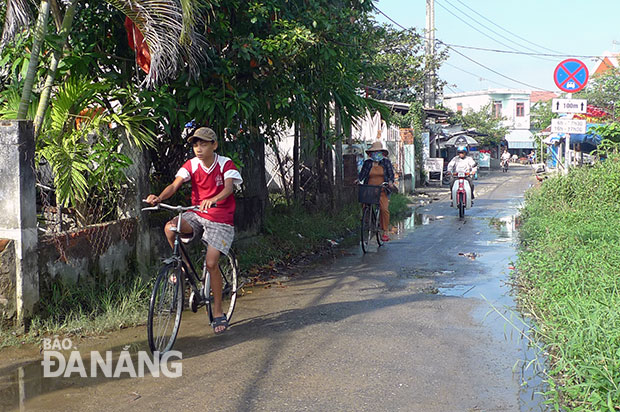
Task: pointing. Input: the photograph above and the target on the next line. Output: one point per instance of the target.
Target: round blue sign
(571, 75)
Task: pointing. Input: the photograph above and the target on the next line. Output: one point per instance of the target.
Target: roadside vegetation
(290, 232)
(568, 277)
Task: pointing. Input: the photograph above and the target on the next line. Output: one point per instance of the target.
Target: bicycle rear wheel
(366, 228)
(165, 309)
(229, 269)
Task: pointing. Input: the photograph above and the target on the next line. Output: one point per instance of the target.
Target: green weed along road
(568, 272)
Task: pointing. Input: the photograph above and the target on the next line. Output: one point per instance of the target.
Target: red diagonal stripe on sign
(571, 75)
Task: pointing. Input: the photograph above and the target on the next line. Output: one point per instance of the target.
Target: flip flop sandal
(220, 321)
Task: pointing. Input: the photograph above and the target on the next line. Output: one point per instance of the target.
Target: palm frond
(74, 95)
(17, 16)
(69, 163)
(10, 105)
(169, 29)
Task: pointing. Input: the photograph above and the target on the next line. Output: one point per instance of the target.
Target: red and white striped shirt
(207, 183)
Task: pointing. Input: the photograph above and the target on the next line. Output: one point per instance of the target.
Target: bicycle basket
(369, 194)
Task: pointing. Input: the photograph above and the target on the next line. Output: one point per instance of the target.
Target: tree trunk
(339, 161)
(51, 73)
(276, 151)
(39, 35)
(296, 162)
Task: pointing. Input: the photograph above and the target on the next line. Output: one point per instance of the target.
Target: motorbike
(504, 164)
(461, 193)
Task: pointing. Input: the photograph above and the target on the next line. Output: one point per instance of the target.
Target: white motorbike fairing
(455, 190)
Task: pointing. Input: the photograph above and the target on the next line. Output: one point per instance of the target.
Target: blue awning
(587, 138)
(520, 139)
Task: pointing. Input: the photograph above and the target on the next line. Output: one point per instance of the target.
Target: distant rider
(463, 163)
(505, 157)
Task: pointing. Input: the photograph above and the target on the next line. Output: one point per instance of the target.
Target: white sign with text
(568, 126)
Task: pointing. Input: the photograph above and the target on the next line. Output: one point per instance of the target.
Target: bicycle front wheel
(165, 309)
(377, 224)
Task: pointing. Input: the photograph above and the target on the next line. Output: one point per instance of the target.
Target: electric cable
(481, 32)
(508, 31)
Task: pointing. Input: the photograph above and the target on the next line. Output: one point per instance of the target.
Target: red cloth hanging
(137, 44)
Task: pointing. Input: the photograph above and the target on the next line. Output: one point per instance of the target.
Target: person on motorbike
(463, 163)
(505, 157)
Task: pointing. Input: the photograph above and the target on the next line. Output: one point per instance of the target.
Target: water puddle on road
(499, 310)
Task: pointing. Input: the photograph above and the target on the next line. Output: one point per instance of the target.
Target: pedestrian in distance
(212, 177)
(376, 170)
(463, 163)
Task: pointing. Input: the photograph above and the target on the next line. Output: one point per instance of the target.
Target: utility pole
(429, 89)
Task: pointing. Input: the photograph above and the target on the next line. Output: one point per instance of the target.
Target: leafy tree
(541, 115)
(603, 90)
(484, 122)
(400, 54)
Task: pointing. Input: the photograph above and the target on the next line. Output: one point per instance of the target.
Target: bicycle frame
(180, 257)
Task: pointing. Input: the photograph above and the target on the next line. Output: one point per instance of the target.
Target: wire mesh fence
(114, 199)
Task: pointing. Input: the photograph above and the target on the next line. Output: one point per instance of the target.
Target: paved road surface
(356, 333)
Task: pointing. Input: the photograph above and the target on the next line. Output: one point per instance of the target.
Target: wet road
(408, 327)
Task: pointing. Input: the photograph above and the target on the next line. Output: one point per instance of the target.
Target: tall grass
(87, 308)
(568, 269)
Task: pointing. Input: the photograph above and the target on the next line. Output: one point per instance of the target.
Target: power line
(479, 31)
(508, 31)
(583, 56)
(496, 72)
(458, 52)
(483, 33)
(476, 75)
(488, 28)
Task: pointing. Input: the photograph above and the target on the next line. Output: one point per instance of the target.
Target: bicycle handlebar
(173, 208)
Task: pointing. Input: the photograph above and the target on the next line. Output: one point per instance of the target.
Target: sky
(585, 28)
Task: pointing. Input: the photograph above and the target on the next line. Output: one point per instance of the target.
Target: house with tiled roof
(542, 96)
(607, 61)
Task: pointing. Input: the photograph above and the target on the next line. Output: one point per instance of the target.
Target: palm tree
(168, 26)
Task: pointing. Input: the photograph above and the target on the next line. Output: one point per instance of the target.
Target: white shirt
(505, 156)
(467, 165)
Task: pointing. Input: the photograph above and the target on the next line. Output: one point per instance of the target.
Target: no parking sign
(571, 75)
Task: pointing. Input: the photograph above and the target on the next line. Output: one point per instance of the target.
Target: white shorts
(218, 235)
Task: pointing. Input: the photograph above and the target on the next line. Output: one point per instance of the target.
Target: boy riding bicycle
(212, 177)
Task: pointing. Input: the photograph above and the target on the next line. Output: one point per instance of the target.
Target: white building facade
(512, 105)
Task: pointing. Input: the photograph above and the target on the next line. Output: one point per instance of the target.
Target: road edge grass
(567, 277)
(97, 307)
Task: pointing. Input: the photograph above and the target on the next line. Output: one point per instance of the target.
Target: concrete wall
(18, 220)
(7, 281)
(99, 251)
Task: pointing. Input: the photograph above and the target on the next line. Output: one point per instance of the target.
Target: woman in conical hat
(376, 170)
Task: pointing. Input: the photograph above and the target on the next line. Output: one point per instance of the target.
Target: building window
(459, 107)
(497, 108)
(520, 110)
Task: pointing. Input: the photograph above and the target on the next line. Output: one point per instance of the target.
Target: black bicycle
(369, 196)
(166, 305)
